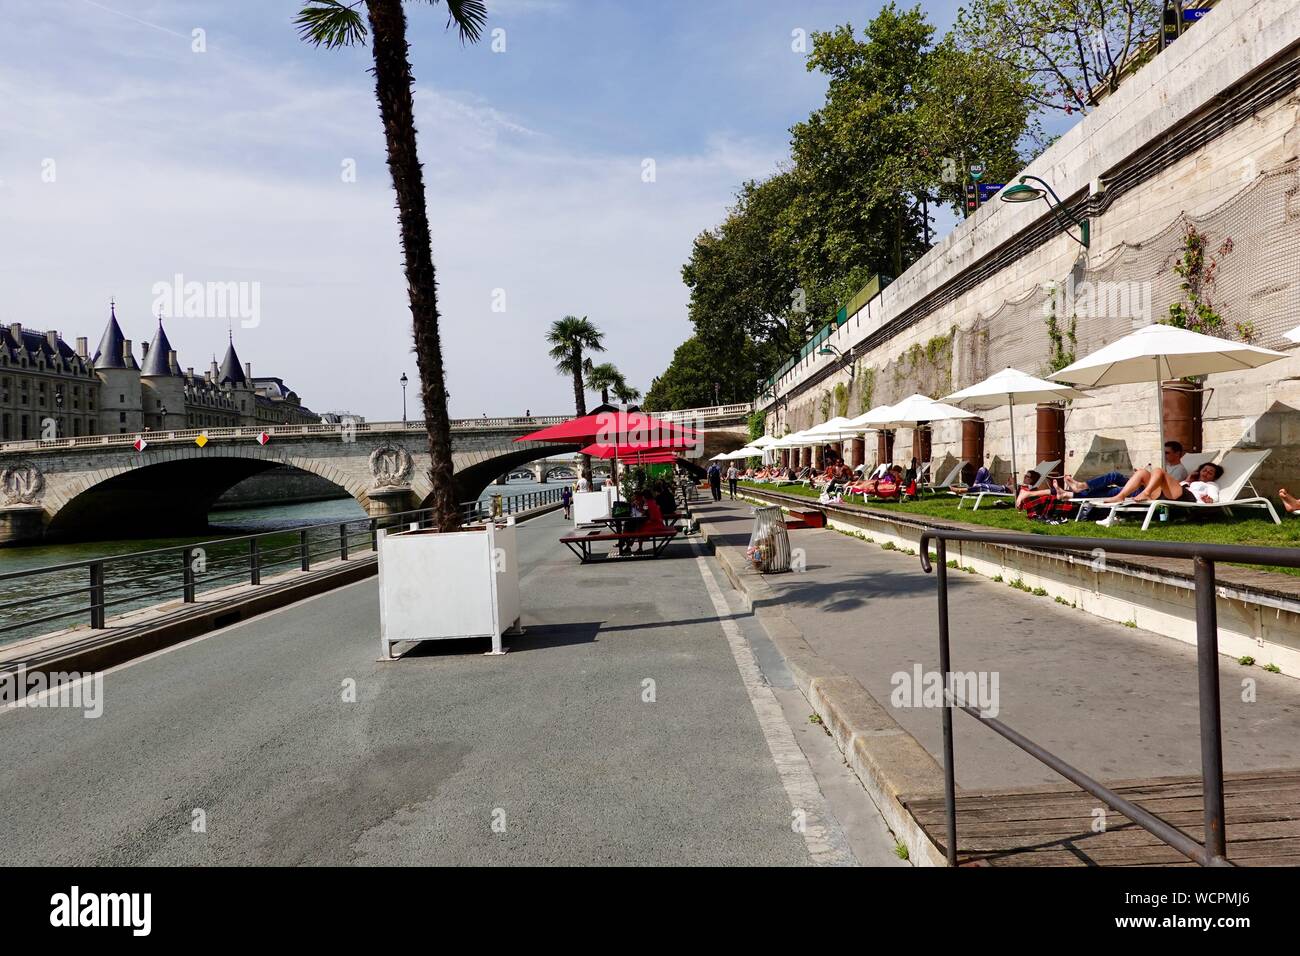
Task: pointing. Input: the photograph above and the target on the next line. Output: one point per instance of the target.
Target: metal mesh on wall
(1255, 237)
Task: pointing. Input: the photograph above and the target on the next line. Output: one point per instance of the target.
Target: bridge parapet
(314, 429)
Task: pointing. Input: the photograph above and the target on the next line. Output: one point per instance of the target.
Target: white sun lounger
(952, 476)
(1238, 468)
(1044, 469)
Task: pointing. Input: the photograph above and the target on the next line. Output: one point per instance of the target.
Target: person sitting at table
(664, 498)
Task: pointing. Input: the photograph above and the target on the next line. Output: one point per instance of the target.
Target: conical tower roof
(109, 353)
(232, 372)
(156, 362)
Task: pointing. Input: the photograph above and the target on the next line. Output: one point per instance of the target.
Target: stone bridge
(104, 486)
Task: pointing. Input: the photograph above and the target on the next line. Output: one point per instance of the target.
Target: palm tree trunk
(393, 82)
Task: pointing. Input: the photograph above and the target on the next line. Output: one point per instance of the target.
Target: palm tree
(601, 378)
(569, 338)
(624, 392)
(332, 24)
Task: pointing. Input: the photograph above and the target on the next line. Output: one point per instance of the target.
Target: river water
(132, 582)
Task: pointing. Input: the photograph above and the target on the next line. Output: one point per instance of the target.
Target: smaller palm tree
(624, 392)
(603, 378)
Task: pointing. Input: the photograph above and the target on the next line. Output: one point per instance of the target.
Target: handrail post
(304, 550)
(97, 595)
(343, 542)
(1207, 668)
(254, 562)
(949, 770)
(374, 535)
(187, 572)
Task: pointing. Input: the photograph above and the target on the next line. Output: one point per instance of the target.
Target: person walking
(715, 481)
(732, 477)
(566, 496)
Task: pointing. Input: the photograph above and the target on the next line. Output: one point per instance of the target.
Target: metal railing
(129, 581)
(1213, 852)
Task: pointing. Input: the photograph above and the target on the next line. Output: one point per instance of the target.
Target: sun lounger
(1238, 468)
(952, 476)
(1044, 469)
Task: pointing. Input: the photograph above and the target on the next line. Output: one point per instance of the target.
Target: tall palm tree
(569, 337)
(332, 24)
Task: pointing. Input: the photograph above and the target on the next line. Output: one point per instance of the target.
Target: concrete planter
(440, 586)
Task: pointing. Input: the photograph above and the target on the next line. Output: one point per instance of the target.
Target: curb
(889, 762)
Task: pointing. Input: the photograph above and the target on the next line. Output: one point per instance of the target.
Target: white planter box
(590, 505)
(435, 586)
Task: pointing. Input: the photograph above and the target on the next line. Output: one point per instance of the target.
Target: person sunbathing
(886, 486)
(1289, 501)
(1203, 488)
(1027, 492)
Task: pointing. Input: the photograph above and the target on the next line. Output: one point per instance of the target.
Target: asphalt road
(244, 748)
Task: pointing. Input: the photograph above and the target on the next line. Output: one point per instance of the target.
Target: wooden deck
(1052, 825)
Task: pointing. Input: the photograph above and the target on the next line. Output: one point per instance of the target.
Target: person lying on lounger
(1289, 501)
(887, 486)
(1027, 492)
(1163, 486)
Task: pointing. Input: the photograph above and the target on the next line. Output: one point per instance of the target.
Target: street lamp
(58, 403)
(404, 381)
(1023, 192)
(828, 349)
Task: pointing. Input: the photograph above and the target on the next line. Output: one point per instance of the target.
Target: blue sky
(127, 158)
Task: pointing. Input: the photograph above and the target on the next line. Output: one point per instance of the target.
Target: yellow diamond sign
(201, 440)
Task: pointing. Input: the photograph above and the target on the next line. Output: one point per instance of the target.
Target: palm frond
(469, 16)
(331, 23)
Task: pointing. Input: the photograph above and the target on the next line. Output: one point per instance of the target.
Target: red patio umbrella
(631, 454)
(617, 427)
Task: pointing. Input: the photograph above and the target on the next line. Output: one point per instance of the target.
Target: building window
(22, 421)
(121, 417)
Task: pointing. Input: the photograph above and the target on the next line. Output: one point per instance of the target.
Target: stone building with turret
(50, 389)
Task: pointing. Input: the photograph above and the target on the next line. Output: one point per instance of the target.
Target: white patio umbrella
(878, 417)
(1011, 387)
(1294, 334)
(918, 409)
(763, 441)
(1159, 352)
(720, 456)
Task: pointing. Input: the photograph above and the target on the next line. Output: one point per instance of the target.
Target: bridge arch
(170, 491)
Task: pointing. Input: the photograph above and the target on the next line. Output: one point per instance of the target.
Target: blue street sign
(1192, 14)
(988, 191)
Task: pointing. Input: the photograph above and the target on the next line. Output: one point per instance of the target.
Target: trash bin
(769, 544)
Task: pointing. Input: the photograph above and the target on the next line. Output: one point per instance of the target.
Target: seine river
(134, 580)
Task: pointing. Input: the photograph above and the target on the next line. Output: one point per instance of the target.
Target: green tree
(1074, 51)
(332, 24)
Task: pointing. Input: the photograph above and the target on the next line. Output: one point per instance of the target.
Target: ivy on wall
(866, 378)
(1062, 344)
(841, 400)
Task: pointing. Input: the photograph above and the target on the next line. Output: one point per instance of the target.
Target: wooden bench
(581, 544)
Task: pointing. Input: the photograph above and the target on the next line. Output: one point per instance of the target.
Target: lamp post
(1023, 192)
(828, 349)
(404, 381)
(162, 417)
(58, 416)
